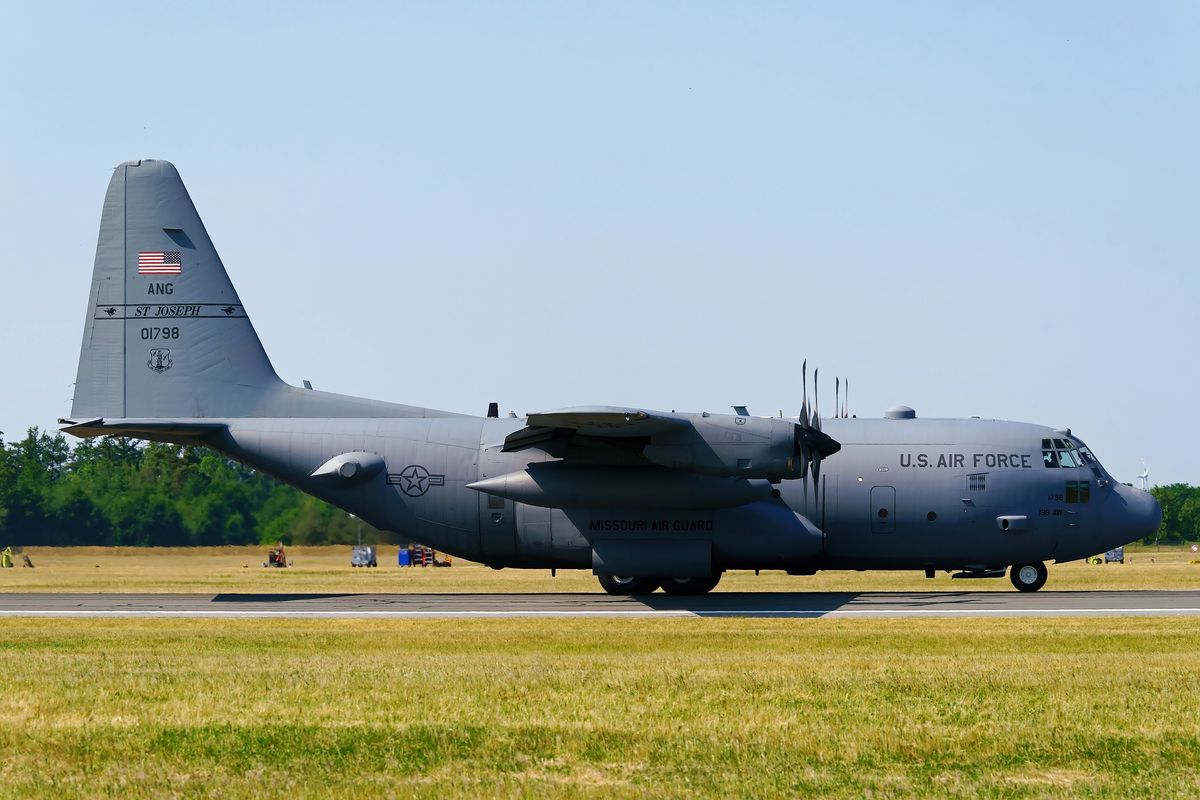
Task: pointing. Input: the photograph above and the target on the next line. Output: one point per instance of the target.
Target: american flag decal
(159, 262)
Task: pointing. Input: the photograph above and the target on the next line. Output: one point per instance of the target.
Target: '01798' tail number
(149, 334)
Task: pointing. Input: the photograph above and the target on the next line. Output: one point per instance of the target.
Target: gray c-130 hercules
(645, 499)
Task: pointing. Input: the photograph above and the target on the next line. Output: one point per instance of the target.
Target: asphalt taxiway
(718, 604)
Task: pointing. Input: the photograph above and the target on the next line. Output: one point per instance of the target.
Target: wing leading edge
(598, 421)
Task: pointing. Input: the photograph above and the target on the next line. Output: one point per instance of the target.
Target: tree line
(1181, 513)
(113, 491)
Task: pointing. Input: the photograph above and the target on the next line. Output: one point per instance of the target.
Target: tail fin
(166, 333)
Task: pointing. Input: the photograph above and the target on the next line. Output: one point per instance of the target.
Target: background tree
(1181, 513)
(113, 491)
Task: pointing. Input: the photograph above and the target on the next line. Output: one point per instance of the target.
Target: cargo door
(883, 509)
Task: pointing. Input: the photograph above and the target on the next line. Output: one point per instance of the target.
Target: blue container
(404, 558)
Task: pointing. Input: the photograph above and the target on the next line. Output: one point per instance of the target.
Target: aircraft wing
(599, 421)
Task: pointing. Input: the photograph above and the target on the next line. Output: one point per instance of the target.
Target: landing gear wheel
(1028, 577)
(626, 584)
(690, 585)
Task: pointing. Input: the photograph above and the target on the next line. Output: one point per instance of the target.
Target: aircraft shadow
(278, 598)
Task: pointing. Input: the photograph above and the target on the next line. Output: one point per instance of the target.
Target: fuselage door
(883, 509)
(497, 517)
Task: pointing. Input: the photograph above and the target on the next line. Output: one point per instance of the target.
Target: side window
(1078, 492)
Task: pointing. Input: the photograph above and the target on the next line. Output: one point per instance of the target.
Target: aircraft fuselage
(902, 493)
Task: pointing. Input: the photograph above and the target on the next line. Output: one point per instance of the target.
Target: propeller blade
(804, 404)
(846, 400)
(811, 445)
(816, 421)
(837, 397)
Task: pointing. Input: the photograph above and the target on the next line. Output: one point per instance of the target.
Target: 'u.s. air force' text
(965, 460)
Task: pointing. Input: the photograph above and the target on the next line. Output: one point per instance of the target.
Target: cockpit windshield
(1066, 453)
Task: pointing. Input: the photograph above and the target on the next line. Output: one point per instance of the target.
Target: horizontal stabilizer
(141, 428)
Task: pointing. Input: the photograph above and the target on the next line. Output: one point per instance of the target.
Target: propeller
(811, 444)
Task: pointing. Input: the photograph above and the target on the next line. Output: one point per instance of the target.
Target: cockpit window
(1064, 453)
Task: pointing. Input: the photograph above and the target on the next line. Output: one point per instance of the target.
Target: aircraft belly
(761, 535)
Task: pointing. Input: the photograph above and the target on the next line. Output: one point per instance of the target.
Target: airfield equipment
(419, 555)
(643, 498)
(277, 557)
(363, 555)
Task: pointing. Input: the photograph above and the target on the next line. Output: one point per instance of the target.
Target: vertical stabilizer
(166, 334)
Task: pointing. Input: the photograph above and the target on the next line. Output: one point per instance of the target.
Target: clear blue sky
(970, 208)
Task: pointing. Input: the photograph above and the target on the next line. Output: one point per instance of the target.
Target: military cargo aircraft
(643, 498)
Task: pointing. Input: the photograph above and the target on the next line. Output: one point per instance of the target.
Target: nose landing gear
(1028, 577)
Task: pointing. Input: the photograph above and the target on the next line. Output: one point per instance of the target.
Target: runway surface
(719, 604)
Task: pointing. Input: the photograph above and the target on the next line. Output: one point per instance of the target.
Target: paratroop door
(883, 509)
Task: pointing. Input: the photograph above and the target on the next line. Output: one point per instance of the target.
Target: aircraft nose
(1137, 516)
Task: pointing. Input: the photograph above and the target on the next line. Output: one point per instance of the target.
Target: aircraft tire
(691, 586)
(1028, 577)
(626, 585)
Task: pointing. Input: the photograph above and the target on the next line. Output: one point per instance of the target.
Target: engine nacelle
(748, 447)
(556, 484)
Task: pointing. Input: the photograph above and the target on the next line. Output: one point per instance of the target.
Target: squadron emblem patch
(160, 360)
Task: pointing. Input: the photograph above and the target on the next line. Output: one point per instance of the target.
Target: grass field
(590, 708)
(327, 569)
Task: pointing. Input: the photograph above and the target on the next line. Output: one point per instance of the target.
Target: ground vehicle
(1117, 554)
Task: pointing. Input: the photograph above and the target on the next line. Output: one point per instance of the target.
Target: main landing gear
(1028, 577)
(629, 585)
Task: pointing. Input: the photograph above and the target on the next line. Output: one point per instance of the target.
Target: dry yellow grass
(590, 708)
(326, 569)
